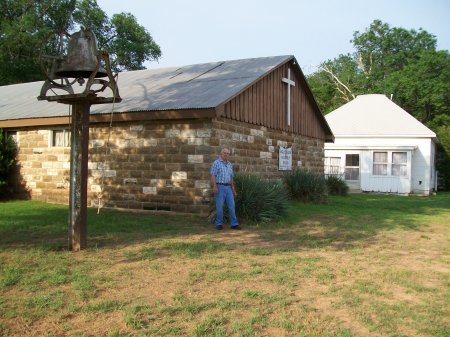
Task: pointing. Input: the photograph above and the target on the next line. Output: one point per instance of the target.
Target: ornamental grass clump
(336, 186)
(259, 200)
(306, 186)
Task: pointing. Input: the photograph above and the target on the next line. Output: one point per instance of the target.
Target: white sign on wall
(285, 159)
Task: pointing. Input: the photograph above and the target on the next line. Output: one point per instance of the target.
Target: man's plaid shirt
(223, 171)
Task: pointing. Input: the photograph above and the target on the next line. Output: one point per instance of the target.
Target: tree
(8, 152)
(381, 55)
(128, 43)
(421, 86)
(382, 50)
(24, 24)
(335, 82)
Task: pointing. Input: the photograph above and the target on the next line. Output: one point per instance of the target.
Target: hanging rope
(69, 126)
(107, 151)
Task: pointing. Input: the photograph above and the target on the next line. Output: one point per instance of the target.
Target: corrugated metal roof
(195, 86)
(375, 116)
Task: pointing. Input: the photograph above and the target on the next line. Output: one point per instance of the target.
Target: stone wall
(43, 171)
(255, 148)
(158, 165)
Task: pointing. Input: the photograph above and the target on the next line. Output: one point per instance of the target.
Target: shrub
(336, 186)
(306, 186)
(258, 200)
(8, 151)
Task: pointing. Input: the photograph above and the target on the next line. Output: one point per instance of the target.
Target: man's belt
(227, 184)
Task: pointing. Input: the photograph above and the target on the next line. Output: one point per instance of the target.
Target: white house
(379, 147)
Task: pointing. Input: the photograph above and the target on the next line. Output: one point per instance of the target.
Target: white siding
(420, 163)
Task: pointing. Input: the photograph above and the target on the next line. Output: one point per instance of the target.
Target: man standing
(223, 186)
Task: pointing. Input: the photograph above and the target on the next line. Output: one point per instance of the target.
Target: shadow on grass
(345, 222)
(37, 224)
(342, 223)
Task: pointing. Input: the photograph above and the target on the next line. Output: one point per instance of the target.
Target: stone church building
(157, 151)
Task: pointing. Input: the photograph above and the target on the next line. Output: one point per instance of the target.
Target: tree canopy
(25, 24)
(392, 61)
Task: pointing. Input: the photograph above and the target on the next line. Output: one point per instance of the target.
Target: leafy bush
(8, 151)
(306, 186)
(258, 200)
(336, 186)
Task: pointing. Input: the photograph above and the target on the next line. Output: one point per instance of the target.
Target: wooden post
(78, 176)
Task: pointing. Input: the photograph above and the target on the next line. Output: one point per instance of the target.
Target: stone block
(158, 182)
(203, 184)
(150, 142)
(36, 191)
(122, 143)
(63, 157)
(31, 184)
(130, 181)
(47, 164)
(97, 143)
(255, 132)
(265, 155)
(52, 172)
(195, 141)
(203, 133)
(243, 138)
(149, 190)
(136, 128)
(194, 159)
(179, 175)
(38, 150)
(96, 188)
(110, 173)
(172, 133)
(188, 133)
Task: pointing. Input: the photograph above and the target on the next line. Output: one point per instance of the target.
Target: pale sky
(199, 31)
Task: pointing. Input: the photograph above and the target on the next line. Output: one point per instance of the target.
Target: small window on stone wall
(12, 134)
(60, 138)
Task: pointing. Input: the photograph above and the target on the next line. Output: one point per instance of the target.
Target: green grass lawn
(362, 265)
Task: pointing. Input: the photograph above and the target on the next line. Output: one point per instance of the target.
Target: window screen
(61, 138)
(380, 163)
(352, 167)
(332, 165)
(399, 164)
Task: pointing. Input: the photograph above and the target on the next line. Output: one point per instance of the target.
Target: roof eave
(116, 117)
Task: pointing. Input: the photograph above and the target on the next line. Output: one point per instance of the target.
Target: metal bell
(81, 59)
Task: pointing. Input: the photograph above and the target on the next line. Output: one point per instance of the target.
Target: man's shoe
(236, 227)
(219, 227)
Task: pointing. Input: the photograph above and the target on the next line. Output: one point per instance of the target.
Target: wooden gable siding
(265, 103)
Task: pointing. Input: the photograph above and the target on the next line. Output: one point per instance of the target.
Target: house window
(332, 165)
(352, 167)
(399, 164)
(380, 163)
(60, 138)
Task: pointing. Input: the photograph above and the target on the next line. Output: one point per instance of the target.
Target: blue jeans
(225, 196)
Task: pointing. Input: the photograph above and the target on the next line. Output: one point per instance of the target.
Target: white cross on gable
(289, 83)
